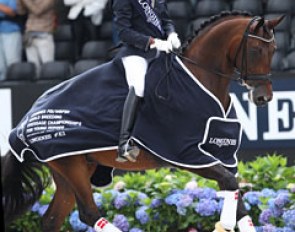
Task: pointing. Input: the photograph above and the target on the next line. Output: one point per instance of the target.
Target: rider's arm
(122, 18)
(167, 22)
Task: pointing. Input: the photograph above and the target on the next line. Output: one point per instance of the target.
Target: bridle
(242, 75)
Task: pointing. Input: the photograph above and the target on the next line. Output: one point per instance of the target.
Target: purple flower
(142, 215)
(122, 199)
(156, 203)
(36, 207)
(207, 193)
(76, 223)
(207, 207)
(268, 228)
(136, 230)
(252, 197)
(42, 209)
(98, 199)
(265, 216)
(289, 218)
(281, 200)
(173, 198)
(121, 222)
(140, 198)
(184, 201)
(277, 212)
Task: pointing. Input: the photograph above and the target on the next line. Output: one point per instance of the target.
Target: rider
(145, 29)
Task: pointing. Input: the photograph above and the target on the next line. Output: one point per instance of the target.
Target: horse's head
(229, 42)
(253, 58)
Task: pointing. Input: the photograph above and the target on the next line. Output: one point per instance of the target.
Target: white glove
(162, 45)
(174, 40)
(102, 225)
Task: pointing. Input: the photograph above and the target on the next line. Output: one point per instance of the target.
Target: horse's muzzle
(259, 99)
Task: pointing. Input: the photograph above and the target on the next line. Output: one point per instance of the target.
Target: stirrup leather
(127, 152)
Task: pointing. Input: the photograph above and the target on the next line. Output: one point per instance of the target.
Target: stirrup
(127, 152)
(219, 228)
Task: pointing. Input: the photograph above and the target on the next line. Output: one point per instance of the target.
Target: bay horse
(229, 46)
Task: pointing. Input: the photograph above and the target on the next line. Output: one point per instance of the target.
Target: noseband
(244, 61)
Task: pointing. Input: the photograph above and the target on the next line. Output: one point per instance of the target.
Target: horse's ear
(271, 24)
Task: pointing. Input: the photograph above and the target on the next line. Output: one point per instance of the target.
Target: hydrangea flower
(98, 199)
(281, 200)
(191, 185)
(140, 198)
(121, 200)
(121, 222)
(277, 212)
(76, 223)
(184, 201)
(136, 230)
(269, 228)
(289, 218)
(267, 192)
(207, 193)
(156, 203)
(142, 215)
(42, 209)
(252, 197)
(265, 216)
(207, 207)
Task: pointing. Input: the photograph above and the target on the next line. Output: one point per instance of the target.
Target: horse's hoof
(219, 228)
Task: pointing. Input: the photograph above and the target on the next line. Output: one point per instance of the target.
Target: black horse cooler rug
(179, 120)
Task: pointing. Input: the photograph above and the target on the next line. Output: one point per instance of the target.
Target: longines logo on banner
(223, 142)
(278, 119)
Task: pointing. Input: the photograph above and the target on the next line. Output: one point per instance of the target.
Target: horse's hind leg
(60, 206)
(77, 172)
(233, 208)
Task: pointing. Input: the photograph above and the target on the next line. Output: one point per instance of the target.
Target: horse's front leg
(233, 210)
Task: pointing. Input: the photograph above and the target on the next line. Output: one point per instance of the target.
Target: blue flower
(207, 207)
(268, 228)
(265, 216)
(247, 206)
(173, 198)
(122, 199)
(140, 198)
(42, 209)
(258, 228)
(36, 207)
(207, 193)
(277, 212)
(98, 199)
(136, 230)
(142, 215)
(156, 203)
(266, 192)
(121, 222)
(289, 218)
(184, 201)
(76, 223)
(252, 197)
(281, 200)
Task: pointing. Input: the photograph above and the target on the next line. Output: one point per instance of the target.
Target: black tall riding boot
(127, 151)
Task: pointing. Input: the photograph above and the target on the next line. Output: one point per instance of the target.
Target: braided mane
(210, 21)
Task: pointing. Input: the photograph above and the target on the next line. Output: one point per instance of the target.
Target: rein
(244, 62)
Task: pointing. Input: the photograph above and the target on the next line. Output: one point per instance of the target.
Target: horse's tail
(22, 185)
